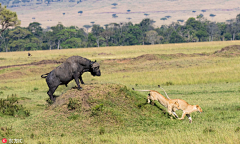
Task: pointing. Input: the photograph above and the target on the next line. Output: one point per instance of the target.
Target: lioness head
(199, 108)
(176, 104)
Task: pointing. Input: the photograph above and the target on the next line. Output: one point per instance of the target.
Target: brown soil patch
(12, 75)
(105, 54)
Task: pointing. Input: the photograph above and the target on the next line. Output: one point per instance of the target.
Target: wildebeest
(72, 68)
(29, 54)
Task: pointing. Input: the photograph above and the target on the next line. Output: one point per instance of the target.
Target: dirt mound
(82, 96)
(147, 57)
(36, 63)
(150, 57)
(233, 50)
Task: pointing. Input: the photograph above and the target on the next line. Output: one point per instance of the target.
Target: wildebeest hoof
(190, 121)
(80, 88)
(82, 83)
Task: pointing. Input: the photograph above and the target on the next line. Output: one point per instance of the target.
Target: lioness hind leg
(148, 99)
(183, 115)
(190, 119)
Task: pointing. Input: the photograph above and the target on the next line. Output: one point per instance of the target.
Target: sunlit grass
(209, 81)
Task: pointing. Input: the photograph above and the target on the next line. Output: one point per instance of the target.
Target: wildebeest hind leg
(50, 93)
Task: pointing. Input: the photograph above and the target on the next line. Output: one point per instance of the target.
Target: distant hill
(50, 12)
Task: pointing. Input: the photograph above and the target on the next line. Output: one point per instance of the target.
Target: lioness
(168, 103)
(186, 108)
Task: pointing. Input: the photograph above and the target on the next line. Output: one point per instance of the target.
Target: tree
(49, 36)
(80, 12)
(129, 18)
(114, 4)
(114, 15)
(145, 25)
(151, 36)
(175, 38)
(48, 1)
(19, 33)
(35, 28)
(64, 34)
(212, 15)
(5, 39)
(146, 14)
(201, 34)
(96, 31)
(72, 43)
(163, 19)
(8, 18)
(87, 27)
(106, 35)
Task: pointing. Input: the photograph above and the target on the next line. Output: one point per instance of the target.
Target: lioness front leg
(190, 119)
(175, 114)
(183, 115)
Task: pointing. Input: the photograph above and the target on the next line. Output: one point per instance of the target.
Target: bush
(97, 109)
(73, 117)
(74, 104)
(9, 107)
(208, 130)
(101, 130)
(237, 129)
(169, 83)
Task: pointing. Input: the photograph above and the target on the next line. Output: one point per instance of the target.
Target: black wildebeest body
(72, 68)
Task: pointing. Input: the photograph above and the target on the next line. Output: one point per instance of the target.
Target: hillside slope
(100, 11)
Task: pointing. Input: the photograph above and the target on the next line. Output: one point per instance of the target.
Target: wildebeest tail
(44, 75)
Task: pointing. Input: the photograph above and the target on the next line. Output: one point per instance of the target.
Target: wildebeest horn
(95, 60)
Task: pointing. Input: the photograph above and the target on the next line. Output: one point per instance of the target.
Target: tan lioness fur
(168, 103)
(186, 108)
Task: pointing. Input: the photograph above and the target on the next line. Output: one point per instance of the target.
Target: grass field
(108, 111)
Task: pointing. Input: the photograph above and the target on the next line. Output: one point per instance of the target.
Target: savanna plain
(107, 110)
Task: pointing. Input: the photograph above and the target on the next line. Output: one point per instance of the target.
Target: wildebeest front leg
(77, 81)
(81, 79)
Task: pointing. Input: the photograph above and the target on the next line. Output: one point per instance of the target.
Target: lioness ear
(197, 106)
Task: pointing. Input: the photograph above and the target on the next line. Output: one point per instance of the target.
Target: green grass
(116, 114)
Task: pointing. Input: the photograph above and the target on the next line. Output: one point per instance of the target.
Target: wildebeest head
(95, 71)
